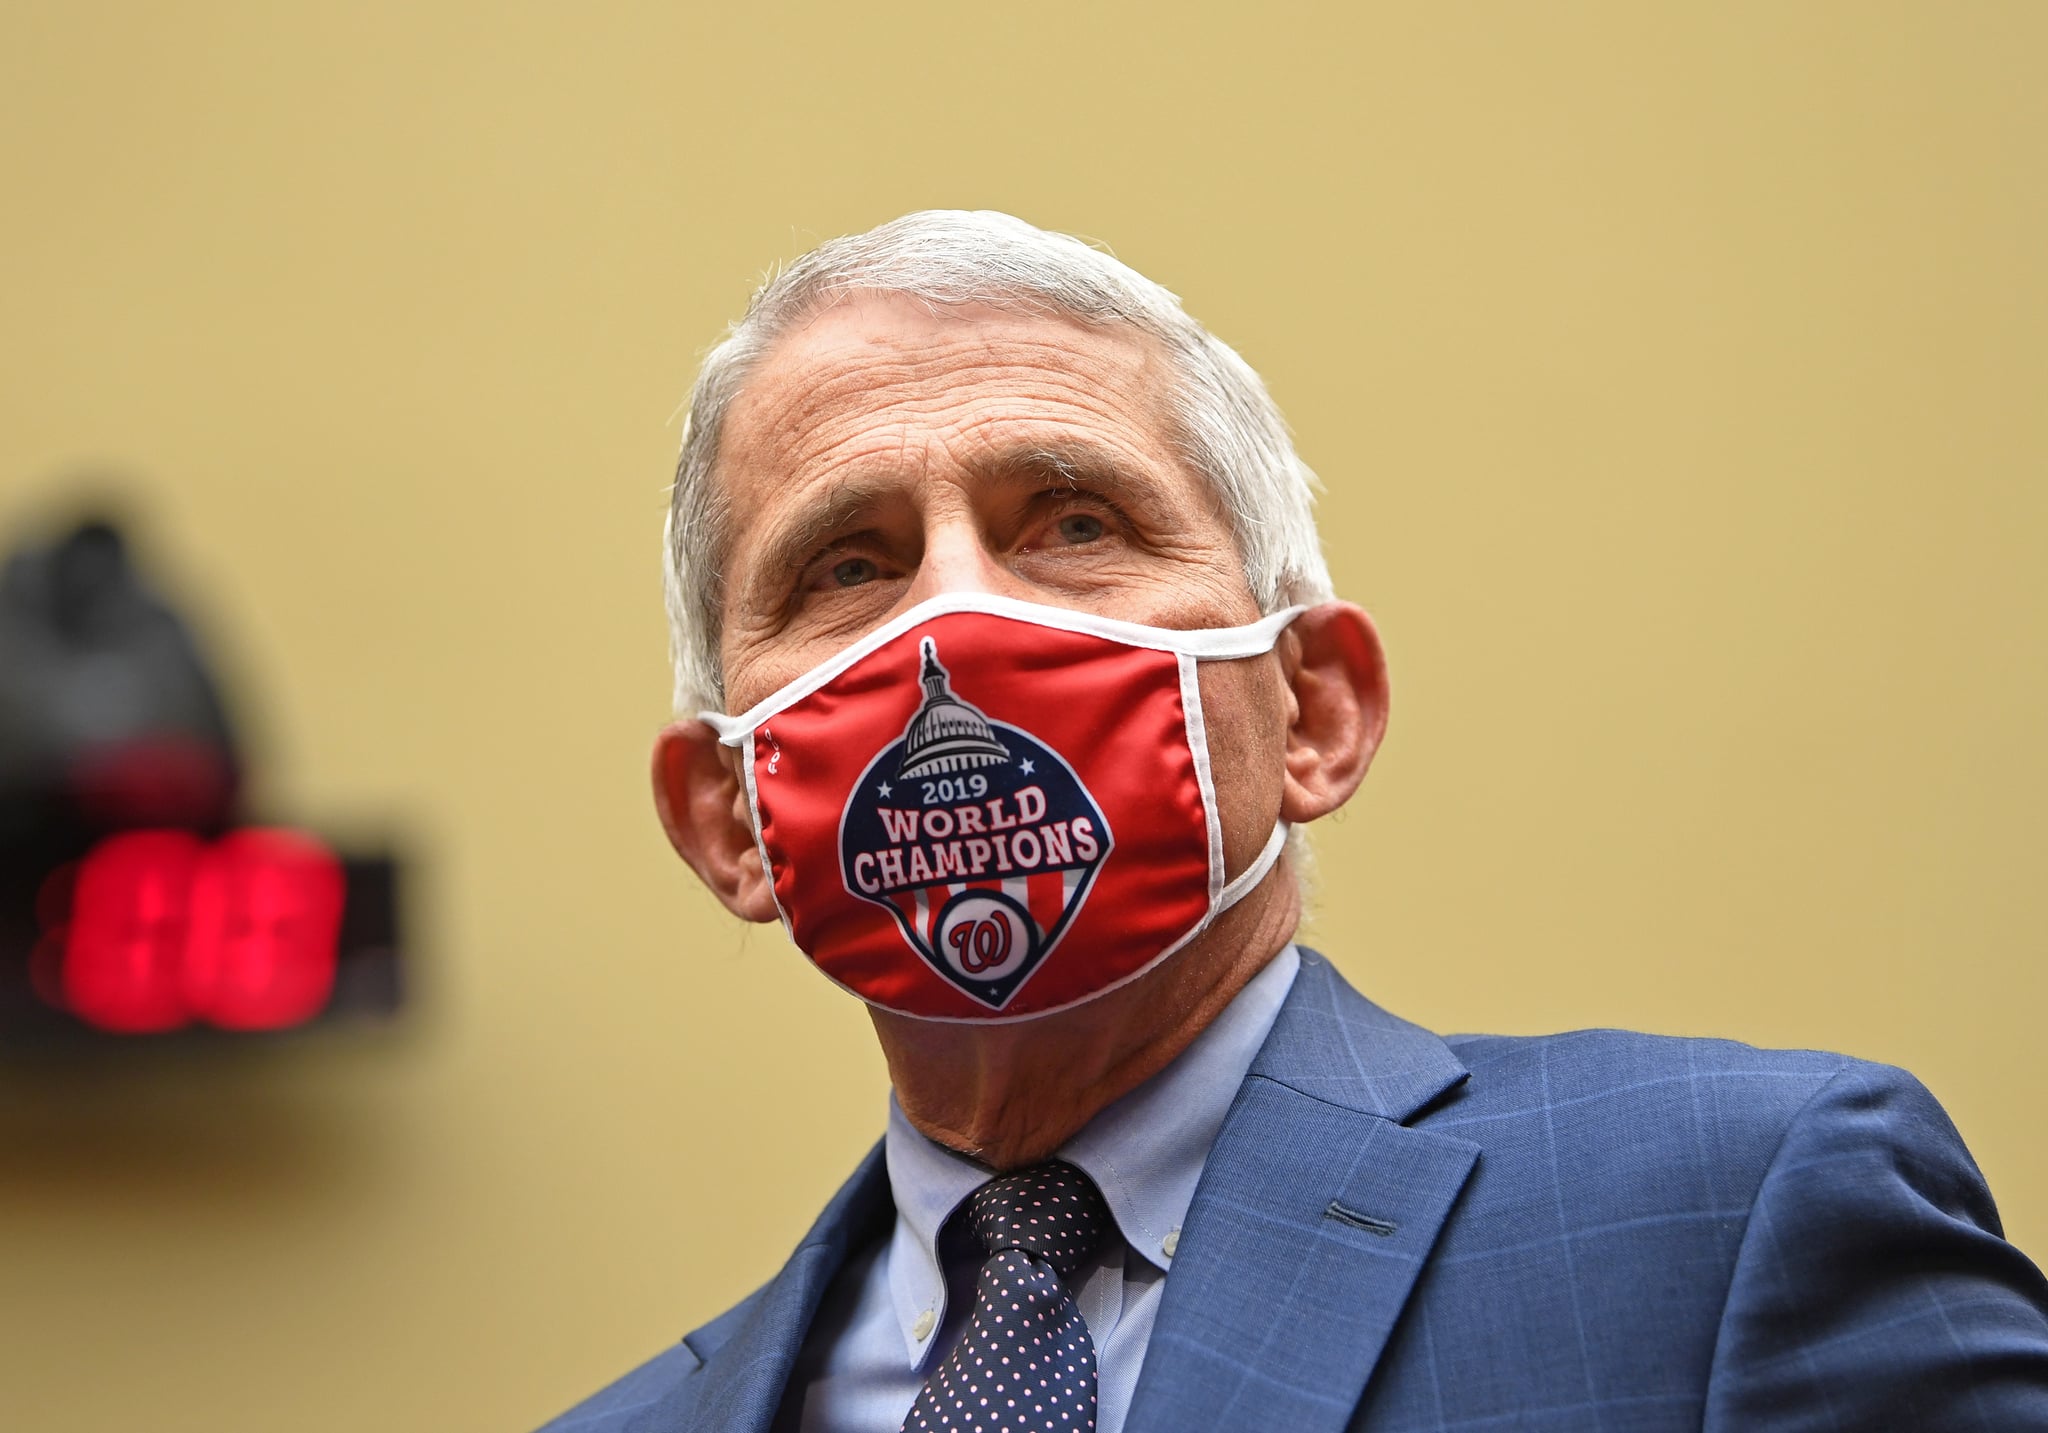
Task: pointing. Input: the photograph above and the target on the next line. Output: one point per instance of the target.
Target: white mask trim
(1205, 778)
(1205, 644)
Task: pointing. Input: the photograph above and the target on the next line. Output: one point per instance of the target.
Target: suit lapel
(1315, 1214)
(747, 1358)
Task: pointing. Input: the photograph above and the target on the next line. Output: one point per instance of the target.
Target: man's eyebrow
(807, 530)
(1074, 465)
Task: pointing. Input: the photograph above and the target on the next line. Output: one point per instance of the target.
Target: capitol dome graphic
(947, 734)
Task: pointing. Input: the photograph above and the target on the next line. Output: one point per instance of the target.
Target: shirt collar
(1145, 1152)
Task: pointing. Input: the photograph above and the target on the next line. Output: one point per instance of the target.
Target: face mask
(990, 810)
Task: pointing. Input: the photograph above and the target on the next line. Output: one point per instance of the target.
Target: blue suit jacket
(1589, 1231)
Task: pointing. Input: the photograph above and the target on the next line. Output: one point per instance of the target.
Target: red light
(127, 937)
(165, 930)
(266, 908)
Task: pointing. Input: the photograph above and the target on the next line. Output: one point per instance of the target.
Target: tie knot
(1052, 1211)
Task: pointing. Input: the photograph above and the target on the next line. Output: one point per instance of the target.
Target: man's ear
(703, 804)
(1335, 668)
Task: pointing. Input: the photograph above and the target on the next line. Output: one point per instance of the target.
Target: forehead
(885, 381)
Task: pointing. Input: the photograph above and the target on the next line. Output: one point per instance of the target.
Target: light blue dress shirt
(901, 1303)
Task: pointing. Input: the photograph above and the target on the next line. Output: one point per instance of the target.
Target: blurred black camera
(134, 898)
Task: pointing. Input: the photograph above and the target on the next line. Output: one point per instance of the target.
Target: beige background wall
(1676, 372)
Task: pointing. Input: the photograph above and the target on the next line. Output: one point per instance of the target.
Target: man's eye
(853, 572)
(1079, 527)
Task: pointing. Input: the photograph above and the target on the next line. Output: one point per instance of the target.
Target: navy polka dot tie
(1026, 1363)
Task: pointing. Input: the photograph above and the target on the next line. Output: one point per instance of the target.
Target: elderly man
(994, 578)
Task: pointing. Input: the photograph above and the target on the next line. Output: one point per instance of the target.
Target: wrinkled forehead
(869, 372)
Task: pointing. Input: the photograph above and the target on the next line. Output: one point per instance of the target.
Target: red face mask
(990, 810)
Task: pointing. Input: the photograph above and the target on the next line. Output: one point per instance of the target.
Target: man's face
(882, 454)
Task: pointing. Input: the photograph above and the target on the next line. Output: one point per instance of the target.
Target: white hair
(1227, 426)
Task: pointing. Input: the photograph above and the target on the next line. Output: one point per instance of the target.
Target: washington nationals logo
(977, 837)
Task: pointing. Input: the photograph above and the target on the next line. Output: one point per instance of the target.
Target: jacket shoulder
(1635, 1049)
(1626, 1070)
(611, 1406)
(770, 1319)
(1652, 1116)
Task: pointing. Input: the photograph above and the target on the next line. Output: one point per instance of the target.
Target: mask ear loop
(1241, 885)
(747, 746)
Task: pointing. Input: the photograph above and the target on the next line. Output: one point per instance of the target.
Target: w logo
(977, 837)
